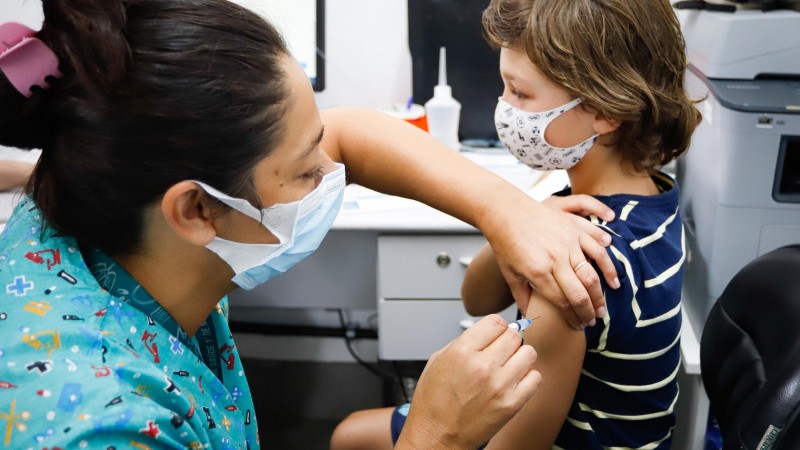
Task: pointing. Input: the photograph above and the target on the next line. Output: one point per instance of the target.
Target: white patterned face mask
(522, 133)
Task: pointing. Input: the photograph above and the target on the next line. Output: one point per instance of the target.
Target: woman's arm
(560, 352)
(14, 174)
(531, 241)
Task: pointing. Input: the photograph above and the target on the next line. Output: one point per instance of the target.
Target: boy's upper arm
(484, 289)
(560, 351)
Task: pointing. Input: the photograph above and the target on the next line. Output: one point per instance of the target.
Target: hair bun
(21, 118)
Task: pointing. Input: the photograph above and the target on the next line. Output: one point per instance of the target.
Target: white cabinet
(424, 266)
(419, 292)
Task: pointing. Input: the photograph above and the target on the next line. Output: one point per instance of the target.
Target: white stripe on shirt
(605, 415)
(637, 357)
(672, 270)
(639, 243)
(627, 209)
(634, 387)
(649, 446)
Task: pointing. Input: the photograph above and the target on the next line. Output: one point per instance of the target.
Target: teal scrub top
(86, 367)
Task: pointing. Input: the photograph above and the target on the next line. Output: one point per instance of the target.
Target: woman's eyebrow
(314, 144)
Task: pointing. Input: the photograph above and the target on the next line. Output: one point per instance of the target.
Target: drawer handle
(466, 323)
(443, 259)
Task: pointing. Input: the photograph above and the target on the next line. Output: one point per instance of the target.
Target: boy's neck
(603, 172)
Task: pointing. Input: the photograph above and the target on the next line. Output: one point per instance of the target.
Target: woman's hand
(543, 246)
(471, 388)
(582, 206)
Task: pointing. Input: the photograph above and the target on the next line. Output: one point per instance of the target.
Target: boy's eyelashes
(518, 94)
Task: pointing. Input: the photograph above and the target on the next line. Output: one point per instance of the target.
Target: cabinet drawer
(428, 267)
(415, 329)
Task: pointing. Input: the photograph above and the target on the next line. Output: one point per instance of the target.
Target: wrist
(420, 434)
(411, 440)
(504, 205)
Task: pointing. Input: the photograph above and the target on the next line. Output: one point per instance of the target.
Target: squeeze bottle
(443, 111)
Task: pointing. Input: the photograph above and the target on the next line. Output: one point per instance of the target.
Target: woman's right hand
(471, 388)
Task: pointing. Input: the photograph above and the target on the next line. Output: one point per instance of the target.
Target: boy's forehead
(515, 66)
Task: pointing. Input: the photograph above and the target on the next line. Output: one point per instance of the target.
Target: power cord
(349, 335)
(702, 4)
(400, 382)
(763, 5)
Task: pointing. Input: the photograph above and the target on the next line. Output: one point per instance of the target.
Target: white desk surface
(364, 209)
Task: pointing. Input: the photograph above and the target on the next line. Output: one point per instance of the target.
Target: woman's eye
(315, 174)
(518, 94)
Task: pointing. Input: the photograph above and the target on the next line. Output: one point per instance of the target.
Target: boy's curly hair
(625, 58)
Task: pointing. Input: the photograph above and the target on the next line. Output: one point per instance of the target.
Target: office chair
(750, 354)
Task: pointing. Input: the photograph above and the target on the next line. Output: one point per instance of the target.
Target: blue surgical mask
(299, 226)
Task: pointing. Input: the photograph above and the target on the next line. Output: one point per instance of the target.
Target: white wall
(368, 61)
(28, 12)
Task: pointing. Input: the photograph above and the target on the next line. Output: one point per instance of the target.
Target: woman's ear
(186, 209)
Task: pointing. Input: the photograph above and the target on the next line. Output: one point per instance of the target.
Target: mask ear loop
(590, 141)
(241, 205)
(273, 219)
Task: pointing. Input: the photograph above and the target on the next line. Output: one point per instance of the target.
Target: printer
(740, 180)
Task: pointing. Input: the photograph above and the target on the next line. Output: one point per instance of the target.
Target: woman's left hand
(541, 245)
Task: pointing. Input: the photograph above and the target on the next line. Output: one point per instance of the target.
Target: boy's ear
(604, 125)
(187, 211)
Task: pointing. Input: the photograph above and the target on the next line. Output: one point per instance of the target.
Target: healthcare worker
(182, 157)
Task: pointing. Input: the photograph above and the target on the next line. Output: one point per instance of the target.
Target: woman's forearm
(405, 161)
(14, 174)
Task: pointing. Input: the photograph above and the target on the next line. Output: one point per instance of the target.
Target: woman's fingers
(582, 205)
(599, 255)
(482, 334)
(504, 347)
(471, 388)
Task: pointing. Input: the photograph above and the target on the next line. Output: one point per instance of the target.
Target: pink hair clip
(25, 60)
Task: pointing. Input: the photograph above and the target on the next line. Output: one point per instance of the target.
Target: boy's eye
(518, 94)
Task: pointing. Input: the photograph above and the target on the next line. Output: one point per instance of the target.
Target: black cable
(400, 380)
(702, 4)
(348, 343)
(375, 370)
(271, 329)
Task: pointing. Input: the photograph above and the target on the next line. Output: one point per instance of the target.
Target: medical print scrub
(88, 359)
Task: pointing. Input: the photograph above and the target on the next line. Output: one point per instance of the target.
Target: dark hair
(625, 58)
(153, 92)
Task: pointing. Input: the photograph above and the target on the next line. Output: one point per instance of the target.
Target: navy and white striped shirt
(628, 386)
